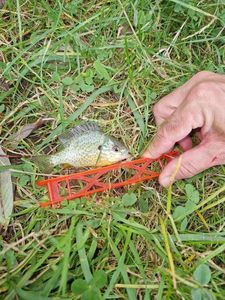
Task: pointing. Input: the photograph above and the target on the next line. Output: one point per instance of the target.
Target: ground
(108, 61)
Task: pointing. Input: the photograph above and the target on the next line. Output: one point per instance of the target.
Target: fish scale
(82, 151)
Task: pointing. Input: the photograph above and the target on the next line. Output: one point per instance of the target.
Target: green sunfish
(84, 146)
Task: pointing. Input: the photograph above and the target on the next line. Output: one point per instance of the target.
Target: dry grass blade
(6, 191)
(169, 253)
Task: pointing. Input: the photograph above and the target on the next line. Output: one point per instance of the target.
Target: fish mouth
(128, 158)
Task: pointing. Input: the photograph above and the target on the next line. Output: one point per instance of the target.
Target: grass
(108, 61)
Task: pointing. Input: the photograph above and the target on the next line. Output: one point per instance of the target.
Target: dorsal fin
(66, 137)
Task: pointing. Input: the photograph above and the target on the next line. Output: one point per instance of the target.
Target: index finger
(174, 129)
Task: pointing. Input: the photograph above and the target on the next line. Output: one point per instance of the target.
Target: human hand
(199, 104)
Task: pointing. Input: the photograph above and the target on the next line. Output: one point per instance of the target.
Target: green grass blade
(82, 253)
(66, 260)
(75, 115)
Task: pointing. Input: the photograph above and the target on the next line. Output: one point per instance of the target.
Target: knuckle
(168, 127)
(156, 109)
(202, 90)
(203, 74)
(161, 133)
(187, 170)
(172, 125)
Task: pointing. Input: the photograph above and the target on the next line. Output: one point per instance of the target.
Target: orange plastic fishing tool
(68, 187)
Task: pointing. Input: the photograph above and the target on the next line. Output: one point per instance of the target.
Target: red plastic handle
(85, 183)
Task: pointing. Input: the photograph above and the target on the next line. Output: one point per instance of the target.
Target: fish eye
(116, 149)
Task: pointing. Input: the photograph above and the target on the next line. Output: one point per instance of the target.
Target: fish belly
(76, 159)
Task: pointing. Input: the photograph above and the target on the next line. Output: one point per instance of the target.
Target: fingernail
(150, 153)
(165, 181)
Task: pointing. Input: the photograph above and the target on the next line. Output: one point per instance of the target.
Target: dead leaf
(6, 191)
(2, 2)
(26, 130)
(4, 85)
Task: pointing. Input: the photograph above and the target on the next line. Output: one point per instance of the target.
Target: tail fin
(44, 163)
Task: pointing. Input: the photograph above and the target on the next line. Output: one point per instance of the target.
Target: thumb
(192, 162)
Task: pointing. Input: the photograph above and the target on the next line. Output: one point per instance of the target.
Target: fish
(85, 145)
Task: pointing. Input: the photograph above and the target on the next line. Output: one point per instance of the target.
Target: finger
(191, 162)
(168, 104)
(162, 112)
(186, 143)
(175, 129)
